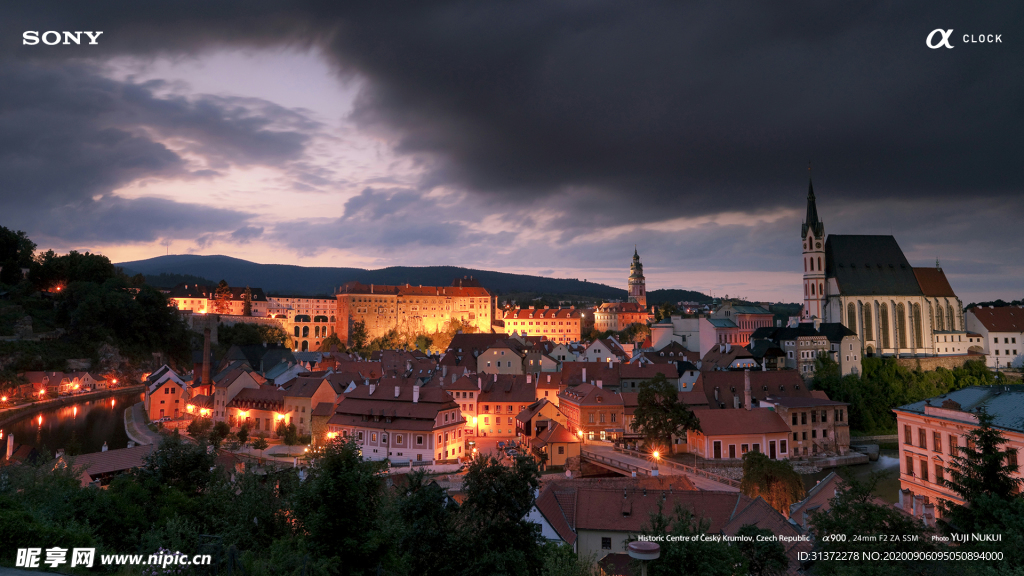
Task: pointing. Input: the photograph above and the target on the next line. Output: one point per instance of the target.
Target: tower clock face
(818, 245)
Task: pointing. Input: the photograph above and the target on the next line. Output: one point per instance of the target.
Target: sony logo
(53, 37)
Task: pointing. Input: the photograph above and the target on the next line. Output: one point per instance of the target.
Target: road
(700, 482)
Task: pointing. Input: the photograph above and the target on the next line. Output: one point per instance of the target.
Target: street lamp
(657, 456)
(644, 552)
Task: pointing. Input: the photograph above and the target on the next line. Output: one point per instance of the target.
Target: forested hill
(288, 279)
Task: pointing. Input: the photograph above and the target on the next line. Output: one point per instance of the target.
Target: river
(887, 488)
(84, 426)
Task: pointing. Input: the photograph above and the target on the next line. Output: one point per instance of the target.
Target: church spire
(811, 221)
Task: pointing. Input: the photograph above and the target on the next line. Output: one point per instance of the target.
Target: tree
(980, 468)
(773, 480)
(358, 336)
(498, 498)
(423, 343)
(855, 510)
(338, 507)
(179, 464)
(636, 333)
(762, 557)
(247, 302)
(659, 414)
(330, 342)
(220, 431)
(243, 434)
(198, 427)
(222, 298)
(287, 433)
(685, 553)
(430, 536)
(261, 443)
(16, 252)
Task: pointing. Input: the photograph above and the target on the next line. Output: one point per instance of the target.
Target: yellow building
(556, 324)
(411, 309)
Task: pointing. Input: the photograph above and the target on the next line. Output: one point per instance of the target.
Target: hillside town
(622, 406)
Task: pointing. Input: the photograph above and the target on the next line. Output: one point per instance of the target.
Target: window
(794, 419)
(373, 437)
(951, 444)
(803, 417)
(937, 442)
(921, 434)
(606, 543)
(398, 438)
(561, 449)
(814, 433)
(744, 448)
(824, 416)
(910, 466)
(782, 446)
(924, 470)
(906, 435)
(939, 474)
(360, 436)
(1011, 458)
(419, 440)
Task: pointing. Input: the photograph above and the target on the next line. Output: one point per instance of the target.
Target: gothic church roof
(869, 266)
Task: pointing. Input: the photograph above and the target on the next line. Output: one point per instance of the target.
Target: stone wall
(930, 363)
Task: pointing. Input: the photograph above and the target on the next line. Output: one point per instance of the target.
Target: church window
(917, 326)
(901, 325)
(812, 264)
(821, 287)
(812, 289)
(819, 259)
(883, 323)
(867, 323)
(949, 317)
(805, 264)
(851, 316)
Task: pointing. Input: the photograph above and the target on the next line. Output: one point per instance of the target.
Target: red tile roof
(739, 421)
(120, 460)
(588, 395)
(557, 433)
(1002, 319)
(730, 383)
(933, 282)
(537, 313)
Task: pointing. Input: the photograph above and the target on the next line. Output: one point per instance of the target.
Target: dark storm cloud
(69, 137)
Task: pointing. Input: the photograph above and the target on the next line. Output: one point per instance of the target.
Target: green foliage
(52, 270)
(765, 557)
(288, 433)
(884, 385)
(220, 431)
(773, 480)
(337, 507)
(222, 298)
(429, 540)
(179, 464)
(247, 302)
(332, 341)
(635, 333)
(560, 560)
(666, 310)
(242, 435)
(498, 498)
(260, 443)
(358, 336)
(137, 320)
(423, 343)
(855, 511)
(982, 468)
(686, 555)
(16, 252)
(244, 334)
(659, 414)
(199, 427)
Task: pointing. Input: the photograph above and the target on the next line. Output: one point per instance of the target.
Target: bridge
(626, 461)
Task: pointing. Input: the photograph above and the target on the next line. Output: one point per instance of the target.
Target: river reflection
(886, 489)
(85, 425)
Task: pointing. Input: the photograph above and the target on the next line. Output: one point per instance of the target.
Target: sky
(535, 137)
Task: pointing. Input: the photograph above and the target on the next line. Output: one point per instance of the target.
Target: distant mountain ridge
(306, 280)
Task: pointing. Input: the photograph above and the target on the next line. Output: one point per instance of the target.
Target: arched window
(812, 289)
(869, 334)
(819, 262)
(851, 317)
(883, 323)
(305, 346)
(901, 324)
(316, 331)
(296, 331)
(805, 264)
(305, 331)
(320, 319)
(950, 317)
(332, 320)
(918, 340)
(805, 290)
(812, 264)
(821, 289)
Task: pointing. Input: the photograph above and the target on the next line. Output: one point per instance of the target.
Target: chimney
(584, 378)
(918, 505)
(764, 364)
(610, 365)
(479, 383)
(444, 370)
(415, 394)
(529, 379)
(495, 377)
(372, 388)
(398, 391)
(817, 323)
(716, 393)
(131, 444)
(206, 356)
(10, 446)
(104, 449)
(728, 348)
(600, 384)
(746, 388)
(549, 378)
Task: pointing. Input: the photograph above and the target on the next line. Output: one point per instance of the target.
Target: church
(867, 284)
